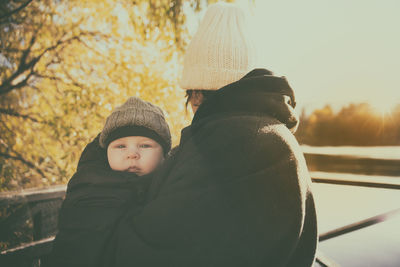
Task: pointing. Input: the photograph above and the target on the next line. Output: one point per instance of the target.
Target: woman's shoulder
(250, 132)
(242, 124)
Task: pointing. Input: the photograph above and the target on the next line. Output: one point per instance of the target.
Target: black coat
(235, 193)
(96, 199)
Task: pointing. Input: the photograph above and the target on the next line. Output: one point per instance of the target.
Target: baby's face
(137, 154)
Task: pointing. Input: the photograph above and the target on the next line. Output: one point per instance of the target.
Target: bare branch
(7, 85)
(53, 78)
(73, 81)
(99, 53)
(5, 126)
(9, 14)
(24, 161)
(13, 50)
(26, 52)
(13, 113)
(68, 41)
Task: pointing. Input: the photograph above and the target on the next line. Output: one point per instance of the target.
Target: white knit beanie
(222, 51)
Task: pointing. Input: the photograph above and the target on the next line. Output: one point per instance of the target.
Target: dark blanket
(236, 192)
(97, 198)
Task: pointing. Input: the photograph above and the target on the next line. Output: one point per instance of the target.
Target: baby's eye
(120, 146)
(145, 145)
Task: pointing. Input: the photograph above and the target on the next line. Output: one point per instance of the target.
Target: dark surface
(347, 164)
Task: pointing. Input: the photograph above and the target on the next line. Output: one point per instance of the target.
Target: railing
(34, 214)
(41, 209)
(359, 171)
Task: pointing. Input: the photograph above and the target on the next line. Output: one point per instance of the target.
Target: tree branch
(11, 112)
(9, 14)
(26, 52)
(53, 78)
(7, 86)
(27, 163)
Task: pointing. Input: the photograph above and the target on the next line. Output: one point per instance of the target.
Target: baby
(136, 137)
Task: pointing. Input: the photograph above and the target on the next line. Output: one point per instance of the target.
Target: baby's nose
(133, 154)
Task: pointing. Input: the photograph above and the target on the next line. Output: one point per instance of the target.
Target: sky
(333, 51)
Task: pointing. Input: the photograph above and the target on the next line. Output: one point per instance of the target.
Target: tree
(354, 124)
(66, 64)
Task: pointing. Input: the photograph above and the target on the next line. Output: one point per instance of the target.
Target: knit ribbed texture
(222, 51)
(137, 112)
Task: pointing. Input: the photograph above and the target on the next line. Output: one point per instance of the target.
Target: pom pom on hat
(222, 51)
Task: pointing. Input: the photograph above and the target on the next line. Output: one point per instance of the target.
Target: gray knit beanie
(136, 117)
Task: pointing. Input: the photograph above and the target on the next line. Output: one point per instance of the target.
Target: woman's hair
(206, 94)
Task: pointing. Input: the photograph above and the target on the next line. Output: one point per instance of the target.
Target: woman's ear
(196, 99)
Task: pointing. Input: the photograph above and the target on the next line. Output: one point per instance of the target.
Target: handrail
(35, 245)
(32, 195)
(358, 225)
(356, 183)
(40, 249)
(43, 247)
(387, 182)
(324, 261)
(58, 191)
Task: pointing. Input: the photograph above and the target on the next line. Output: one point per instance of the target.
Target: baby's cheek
(156, 162)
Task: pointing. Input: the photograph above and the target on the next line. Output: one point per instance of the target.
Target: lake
(376, 245)
(340, 205)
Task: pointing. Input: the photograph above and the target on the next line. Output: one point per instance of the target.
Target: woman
(236, 191)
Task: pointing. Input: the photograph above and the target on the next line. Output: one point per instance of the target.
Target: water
(341, 205)
(377, 245)
(377, 161)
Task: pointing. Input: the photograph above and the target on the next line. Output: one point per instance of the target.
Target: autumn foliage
(352, 125)
(64, 65)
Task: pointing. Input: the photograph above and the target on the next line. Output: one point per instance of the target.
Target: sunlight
(383, 107)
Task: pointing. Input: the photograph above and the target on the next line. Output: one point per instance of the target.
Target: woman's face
(195, 100)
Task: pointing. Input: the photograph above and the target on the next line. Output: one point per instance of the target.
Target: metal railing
(358, 225)
(44, 205)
